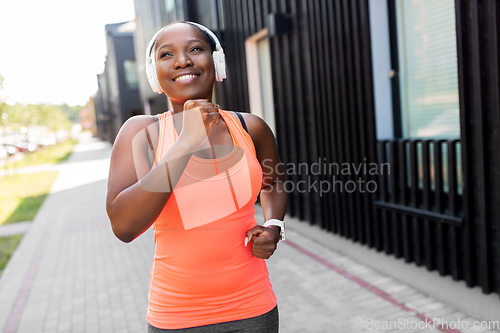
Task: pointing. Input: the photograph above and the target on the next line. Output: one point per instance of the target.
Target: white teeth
(185, 77)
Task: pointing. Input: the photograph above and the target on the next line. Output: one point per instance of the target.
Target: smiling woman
(194, 173)
(175, 57)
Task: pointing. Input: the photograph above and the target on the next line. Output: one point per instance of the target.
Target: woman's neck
(179, 107)
(176, 107)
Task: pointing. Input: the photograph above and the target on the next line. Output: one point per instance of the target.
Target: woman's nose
(183, 61)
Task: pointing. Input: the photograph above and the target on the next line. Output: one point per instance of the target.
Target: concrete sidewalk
(71, 274)
(14, 228)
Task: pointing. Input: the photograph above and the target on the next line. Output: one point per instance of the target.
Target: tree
(73, 112)
(49, 116)
(54, 117)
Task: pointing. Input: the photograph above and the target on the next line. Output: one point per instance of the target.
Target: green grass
(8, 245)
(22, 195)
(48, 155)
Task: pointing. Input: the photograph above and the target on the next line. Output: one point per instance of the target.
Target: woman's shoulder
(134, 124)
(258, 129)
(139, 120)
(248, 117)
(255, 124)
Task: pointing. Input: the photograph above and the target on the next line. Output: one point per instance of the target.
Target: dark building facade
(118, 96)
(334, 78)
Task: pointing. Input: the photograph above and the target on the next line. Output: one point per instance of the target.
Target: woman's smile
(186, 78)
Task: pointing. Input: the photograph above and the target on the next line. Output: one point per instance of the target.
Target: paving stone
(439, 313)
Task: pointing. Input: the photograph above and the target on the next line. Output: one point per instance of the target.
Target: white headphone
(217, 55)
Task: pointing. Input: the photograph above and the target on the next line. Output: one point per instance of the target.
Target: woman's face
(184, 63)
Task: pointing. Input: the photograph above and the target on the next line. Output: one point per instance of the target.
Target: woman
(195, 175)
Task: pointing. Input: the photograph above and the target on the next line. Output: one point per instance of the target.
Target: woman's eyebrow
(164, 45)
(194, 40)
(191, 41)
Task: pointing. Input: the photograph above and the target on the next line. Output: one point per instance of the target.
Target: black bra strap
(242, 121)
(157, 125)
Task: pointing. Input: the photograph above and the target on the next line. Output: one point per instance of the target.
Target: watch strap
(278, 223)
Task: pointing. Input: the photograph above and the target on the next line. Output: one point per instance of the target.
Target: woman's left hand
(264, 240)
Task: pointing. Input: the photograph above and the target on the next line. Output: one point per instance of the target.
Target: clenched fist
(199, 117)
(264, 240)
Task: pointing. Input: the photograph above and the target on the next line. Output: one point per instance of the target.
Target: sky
(52, 50)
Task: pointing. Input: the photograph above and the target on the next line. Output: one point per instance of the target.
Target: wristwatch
(278, 223)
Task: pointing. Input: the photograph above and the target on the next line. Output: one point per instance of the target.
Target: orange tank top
(202, 273)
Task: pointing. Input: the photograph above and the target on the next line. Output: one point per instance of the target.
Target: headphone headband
(218, 57)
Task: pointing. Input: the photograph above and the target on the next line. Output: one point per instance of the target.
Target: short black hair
(206, 36)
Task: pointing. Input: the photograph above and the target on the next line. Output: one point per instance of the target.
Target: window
(131, 78)
(260, 83)
(428, 68)
(169, 5)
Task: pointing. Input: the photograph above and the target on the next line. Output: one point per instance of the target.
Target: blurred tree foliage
(72, 112)
(54, 117)
(51, 116)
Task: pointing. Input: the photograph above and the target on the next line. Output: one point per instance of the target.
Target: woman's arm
(131, 208)
(273, 197)
(135, 196)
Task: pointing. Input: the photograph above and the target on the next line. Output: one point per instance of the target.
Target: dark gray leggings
(266, 323)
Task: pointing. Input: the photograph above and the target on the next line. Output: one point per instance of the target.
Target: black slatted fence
(419, 202)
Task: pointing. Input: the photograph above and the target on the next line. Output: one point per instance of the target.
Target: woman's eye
(197, 49)
(164, 54)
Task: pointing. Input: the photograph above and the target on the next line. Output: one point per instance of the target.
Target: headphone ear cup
(151, 66)
(152, 77)
(156, 82)
(220, 64)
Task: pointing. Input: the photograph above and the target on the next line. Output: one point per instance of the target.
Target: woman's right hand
(199, 117)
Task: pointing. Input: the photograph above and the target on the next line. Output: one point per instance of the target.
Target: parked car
(26, 146)
(44, 142)
(11, 150)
